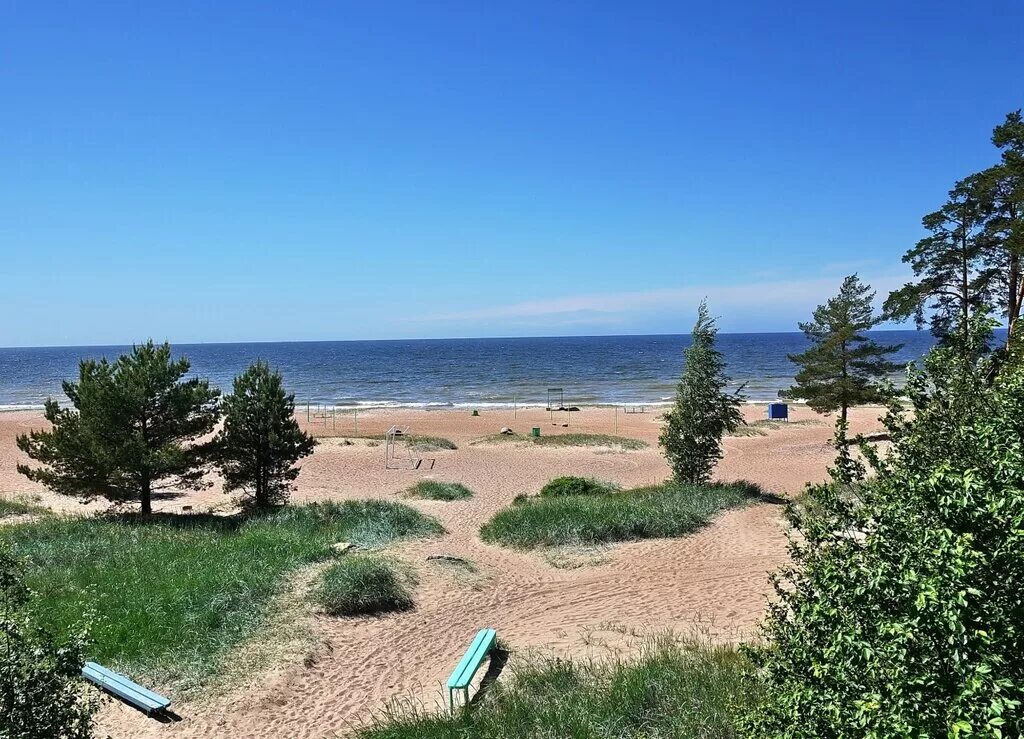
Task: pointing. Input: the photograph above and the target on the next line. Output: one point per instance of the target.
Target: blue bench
(460, 679)
(130, 692)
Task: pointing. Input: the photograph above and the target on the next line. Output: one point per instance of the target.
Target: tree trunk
(147, 502)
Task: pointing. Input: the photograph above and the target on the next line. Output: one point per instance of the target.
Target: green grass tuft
(171, 593)
(571, 485)
(21, 506)
(431, 443)
(434, 490)
(362, 584)
(673, 690)
(644, 513)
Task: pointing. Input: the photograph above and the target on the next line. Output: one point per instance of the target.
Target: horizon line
(433, 338)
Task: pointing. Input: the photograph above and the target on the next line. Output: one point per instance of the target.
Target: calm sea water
(456, 372)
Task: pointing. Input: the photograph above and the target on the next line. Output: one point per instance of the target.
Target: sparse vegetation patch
(572, 439)
(671, 509)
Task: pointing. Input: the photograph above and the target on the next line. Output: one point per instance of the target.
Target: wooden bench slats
(470, 663)
(122, 687)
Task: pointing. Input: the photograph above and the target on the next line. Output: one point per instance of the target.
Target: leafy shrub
(644, 513)
(434, 490)
(904, 612)
(672, 690)
(362, 584)
(40, 674)
(571, 485)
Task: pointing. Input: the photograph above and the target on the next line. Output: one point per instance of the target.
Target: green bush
(40, 672)
(672, 690)
(173, 593)
(362, 584)
(434, 490)
(570, 485)
(904, 612)
(644, 513)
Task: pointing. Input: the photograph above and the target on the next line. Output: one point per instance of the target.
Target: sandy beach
(598, 602)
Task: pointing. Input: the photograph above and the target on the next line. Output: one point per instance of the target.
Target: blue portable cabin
(778, 412)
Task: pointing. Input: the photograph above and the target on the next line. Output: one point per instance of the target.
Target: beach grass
(21, 505)
(569, 440)
(665, 510)
(674, 689)
(171, 594)
(573, 485)
(435, 490)
(363, 584)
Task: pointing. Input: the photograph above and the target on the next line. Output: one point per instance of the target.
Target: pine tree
(260, 442)
(842, 367)
(955, 277)
(1004, 186)
(126, 433)
(703, 410)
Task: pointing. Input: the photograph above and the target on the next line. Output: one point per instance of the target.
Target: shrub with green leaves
(572, 485)
(40, 673)
(903, 613)
(363, 584)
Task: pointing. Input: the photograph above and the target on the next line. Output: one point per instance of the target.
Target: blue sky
(273, 171)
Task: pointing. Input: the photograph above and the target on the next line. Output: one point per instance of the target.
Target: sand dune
(716, 578)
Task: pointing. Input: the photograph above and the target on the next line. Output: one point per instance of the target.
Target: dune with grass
(233, 615)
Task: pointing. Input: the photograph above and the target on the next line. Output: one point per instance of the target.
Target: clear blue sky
(269, 171)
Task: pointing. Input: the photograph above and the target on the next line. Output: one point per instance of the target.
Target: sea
(457, 373)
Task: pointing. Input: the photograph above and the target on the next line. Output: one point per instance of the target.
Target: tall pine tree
(703, 411)
(842, 367)
(260, 442)
(130, 429)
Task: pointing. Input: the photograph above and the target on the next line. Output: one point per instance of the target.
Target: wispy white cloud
(773, 296)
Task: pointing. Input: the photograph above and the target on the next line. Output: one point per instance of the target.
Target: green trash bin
(535, 432)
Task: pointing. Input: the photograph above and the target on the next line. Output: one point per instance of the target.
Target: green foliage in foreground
(645, 513)
(572, 485)
(434, 490)
(672, 690)
(904, 612)
(173, 593)
(40, 692)
(362, 584)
